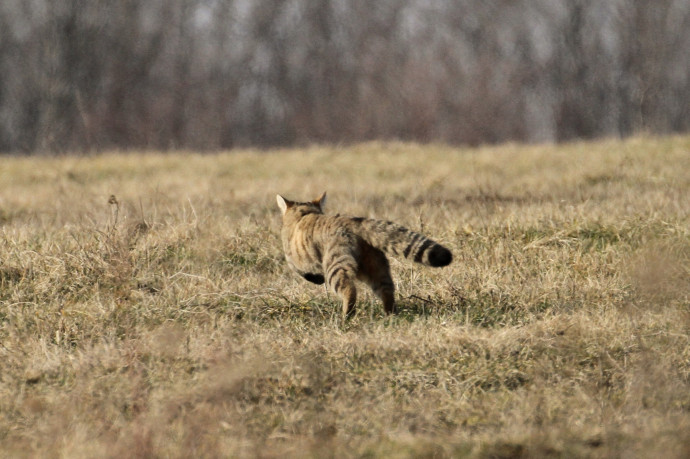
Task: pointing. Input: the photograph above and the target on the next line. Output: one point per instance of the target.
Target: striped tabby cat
(339, 249)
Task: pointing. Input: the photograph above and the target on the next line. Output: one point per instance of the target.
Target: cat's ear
(321, 202)
(283, 203)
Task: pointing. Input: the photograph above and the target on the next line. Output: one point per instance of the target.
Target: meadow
(146, 309)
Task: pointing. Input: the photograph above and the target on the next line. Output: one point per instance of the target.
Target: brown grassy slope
(168, 324)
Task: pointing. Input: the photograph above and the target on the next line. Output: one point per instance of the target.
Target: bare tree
(82, 75)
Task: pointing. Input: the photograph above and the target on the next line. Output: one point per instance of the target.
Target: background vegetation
(163, 322)
(209, 74)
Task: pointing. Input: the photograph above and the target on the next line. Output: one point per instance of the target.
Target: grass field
(164, 322)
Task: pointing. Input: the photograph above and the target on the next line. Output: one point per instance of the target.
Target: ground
(146, 309)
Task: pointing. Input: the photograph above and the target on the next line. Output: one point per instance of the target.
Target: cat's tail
(399, 241)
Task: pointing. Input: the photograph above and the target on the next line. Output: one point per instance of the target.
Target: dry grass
(166, 324)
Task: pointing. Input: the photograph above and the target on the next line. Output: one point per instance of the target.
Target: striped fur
(338, 250)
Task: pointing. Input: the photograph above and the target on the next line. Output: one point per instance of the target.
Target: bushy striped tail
(399, 241)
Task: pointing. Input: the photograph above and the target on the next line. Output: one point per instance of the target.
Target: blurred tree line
(207, 74)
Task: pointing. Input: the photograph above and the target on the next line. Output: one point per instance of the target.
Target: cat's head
(300, 209)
